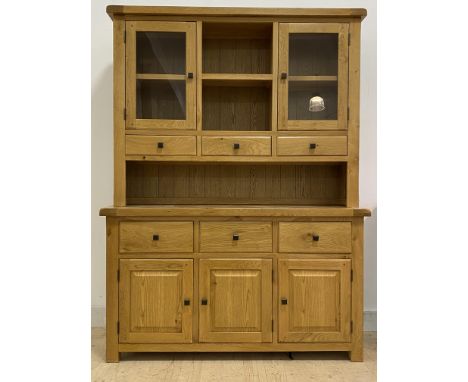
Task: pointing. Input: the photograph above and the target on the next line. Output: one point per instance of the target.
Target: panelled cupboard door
(313, 76)
(314, 300)
(235, 300)
(160, 75)
(155, 301)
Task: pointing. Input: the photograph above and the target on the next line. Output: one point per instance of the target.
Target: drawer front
(320, 237)
(236, 146)
(235, 237)
(156, 237)
(160, 145)
(314, 145)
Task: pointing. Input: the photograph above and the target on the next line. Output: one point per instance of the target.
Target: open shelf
(169, 183)
(236, 107)
(313, 78)
(237, 47)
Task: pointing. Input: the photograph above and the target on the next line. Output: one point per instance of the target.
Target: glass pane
(160, 52)
(300, 98)
(313, 54)
(161, 99)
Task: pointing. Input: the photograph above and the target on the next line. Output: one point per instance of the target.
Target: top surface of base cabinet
(141, 11)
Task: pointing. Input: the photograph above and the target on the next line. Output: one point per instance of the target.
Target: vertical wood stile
(119, 107)
(112, 290)
(199, 48)
(274, 86)
(353, 118)
(357, 291)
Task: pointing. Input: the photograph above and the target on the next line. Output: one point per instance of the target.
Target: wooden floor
(230, 367)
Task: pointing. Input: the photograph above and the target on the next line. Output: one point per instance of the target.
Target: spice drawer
(160, 145)
(235, 237)
(313, 145)
(156, 237)
(316, 237)
(236, 146)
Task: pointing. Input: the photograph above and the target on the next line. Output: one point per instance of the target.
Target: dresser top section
(245, 211)
(137, 11)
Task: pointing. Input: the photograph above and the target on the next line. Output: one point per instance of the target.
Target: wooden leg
(112, 354)
(355, 355)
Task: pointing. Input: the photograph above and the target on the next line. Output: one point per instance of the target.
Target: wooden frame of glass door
(131, 76)
(285, 29)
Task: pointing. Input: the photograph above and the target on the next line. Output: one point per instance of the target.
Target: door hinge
(352, 326)
(125, 36)
(352, 276)
(118, 275)
(125, 113)
(272, 324)
(348, 112)
(118, 327)
(349, 39)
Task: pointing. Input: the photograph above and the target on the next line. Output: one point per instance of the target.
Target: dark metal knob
(186, 302)
(236, 146)
(235, 236)
(189, 75)
(204, 301)
(315, 237)
(284, 301)
(312, 145)
(160, 145)
(155, 237)
(284, 76)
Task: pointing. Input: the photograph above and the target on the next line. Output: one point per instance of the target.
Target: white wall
(101, 132)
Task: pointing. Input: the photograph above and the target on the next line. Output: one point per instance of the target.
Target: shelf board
(169, 77)
(313, 78)
(236, 79)
(228, 210)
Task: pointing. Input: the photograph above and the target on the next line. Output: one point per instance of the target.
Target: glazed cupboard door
(160, 70)
(314, 300)
(155, 301)
(313, 70)
(235, 300)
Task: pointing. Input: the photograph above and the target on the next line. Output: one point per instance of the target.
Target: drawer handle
(315, 237)
(186, 302)
(155, 237)
(312, 145)
(160, 145)
(204, 301)
(284, 301)
(236, 146)
(190, 75)
(284, 76)
(235, 236)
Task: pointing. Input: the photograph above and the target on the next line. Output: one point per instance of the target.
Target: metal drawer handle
(160, 145)
(186, 302)
(156, 237)
(236, 146)
(235, 236)
(315, 237)
(284, 301)
(204, 301)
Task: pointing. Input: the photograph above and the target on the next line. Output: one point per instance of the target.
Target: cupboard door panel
(314, 300)
(235, 300)
(156, 301)
(160, 75)
(313, 84)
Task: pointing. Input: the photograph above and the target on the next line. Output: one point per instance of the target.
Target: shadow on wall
(101, 176)
(370, 272)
